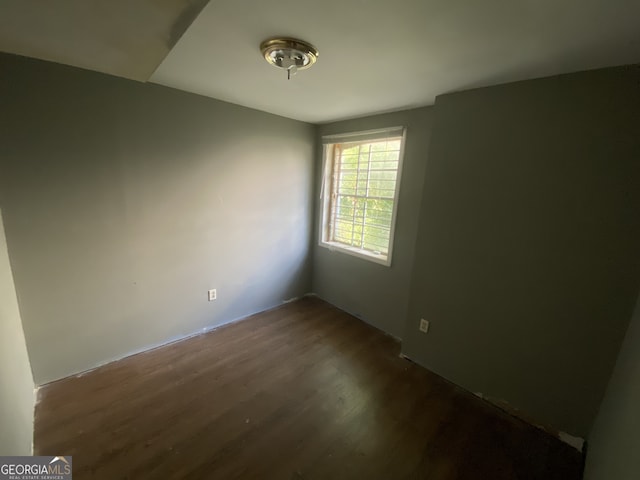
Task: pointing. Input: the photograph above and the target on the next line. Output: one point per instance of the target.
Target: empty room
(319, 240)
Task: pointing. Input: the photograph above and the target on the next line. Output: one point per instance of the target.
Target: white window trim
(327, 157)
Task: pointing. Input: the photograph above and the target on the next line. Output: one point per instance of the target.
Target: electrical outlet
(424, 325)
(212, 295)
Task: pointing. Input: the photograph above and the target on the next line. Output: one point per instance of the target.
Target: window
(360, 192)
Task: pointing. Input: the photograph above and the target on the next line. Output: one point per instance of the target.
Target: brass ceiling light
(290, 54)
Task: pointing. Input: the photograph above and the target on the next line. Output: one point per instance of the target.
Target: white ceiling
(375, 55)
(127, 38)
(382, 55)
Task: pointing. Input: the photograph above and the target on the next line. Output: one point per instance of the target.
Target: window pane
(363, 193)
(349, 160)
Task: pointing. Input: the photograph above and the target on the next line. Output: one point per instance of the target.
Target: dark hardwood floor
(304, 391)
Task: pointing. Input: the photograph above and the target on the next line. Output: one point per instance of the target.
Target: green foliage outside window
(364, 191)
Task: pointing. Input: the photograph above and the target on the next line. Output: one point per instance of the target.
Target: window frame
(328, 164)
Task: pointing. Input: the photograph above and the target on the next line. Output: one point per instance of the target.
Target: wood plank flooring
(304, 391)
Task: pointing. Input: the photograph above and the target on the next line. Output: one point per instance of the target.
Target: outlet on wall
(212, 295)
(424, 325)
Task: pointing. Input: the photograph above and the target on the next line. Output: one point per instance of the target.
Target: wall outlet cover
(424, 325)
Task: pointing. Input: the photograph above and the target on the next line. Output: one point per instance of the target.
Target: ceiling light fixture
(290, 54)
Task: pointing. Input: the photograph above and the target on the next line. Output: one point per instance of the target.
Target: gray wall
(16, 380)
(526, 260)
(373, 292)
(125, 202)
(614, 441)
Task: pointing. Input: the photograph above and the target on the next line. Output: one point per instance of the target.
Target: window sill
(357, 252)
